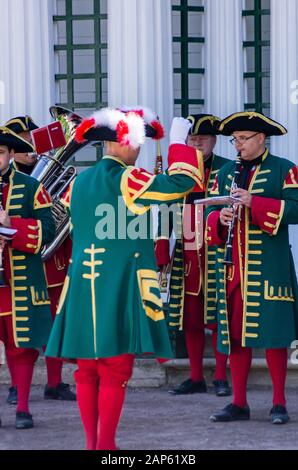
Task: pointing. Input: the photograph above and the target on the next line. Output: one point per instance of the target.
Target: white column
(140, 69)
(27, 59)
(284, 84)
(224, 84)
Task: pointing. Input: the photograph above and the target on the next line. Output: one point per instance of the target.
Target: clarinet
(158, 170)
(228, 259)
(2, 280)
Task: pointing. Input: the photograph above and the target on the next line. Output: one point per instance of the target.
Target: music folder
(48, 138)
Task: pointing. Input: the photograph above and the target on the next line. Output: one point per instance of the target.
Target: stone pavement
(155, 420)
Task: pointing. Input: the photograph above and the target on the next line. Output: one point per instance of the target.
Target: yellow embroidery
(35, 297)
(148, 283)
(92, 276)
(283, 294)
(63, 295)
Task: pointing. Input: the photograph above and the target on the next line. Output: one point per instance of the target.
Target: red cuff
(215, 233)
(29, 235)
(266, 213)
(162, 252)
(185, 160)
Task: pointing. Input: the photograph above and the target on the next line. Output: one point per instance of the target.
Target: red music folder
(48, 138)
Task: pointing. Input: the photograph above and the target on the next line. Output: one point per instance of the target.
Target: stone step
(179, 347)
(149, 373)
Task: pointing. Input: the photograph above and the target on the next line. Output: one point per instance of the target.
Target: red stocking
(87, 398)
(195, 343)
(194, 334)
(23, 373)
(240, 362)
(54, 371)
(277, 360)
(114, 373)
(110, 404)
(220, 360)
(11, 366)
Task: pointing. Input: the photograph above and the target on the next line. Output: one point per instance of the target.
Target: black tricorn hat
(127, 126)
(204, 124)
(251, 121)
(21, 124)
(10, 139)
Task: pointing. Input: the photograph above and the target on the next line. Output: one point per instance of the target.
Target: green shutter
(73, 84)
(184, 8)
(256, 46)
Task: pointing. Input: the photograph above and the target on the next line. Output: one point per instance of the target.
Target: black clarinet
(228, 259)
(2, 280)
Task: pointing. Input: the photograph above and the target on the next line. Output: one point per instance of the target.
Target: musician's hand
(5, 219)
(243, 195)
(226, 216)
(179, 130)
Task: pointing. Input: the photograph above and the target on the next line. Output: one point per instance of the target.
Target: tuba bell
(55, 175)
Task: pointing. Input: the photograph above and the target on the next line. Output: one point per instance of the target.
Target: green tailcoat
(269, 290)
(176, 294)
(29, 207)
(111, 303)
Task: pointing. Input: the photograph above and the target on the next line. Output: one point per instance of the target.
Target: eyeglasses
(242, 140)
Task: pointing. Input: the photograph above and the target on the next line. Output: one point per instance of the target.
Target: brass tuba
(52, 172)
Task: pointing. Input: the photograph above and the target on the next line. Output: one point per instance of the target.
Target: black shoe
(61, 392)
(279, 415)
(222, 388)
(12, 398)
(24, 420)
(189, 386)
(231, 413)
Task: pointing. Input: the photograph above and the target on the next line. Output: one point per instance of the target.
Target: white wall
(83, 60)
(196, 22)
(26, 66)
(140, 61)
(284, 75)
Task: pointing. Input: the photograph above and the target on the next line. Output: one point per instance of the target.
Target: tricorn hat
(127, 126)
(204, 124)
(251, 121)
(11, 139)
(21, 124)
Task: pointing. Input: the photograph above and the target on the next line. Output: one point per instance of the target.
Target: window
(188, 42)
(256, 16)
(81, 60)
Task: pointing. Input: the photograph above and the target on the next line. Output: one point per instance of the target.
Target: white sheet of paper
(7, 233)
(218, 201)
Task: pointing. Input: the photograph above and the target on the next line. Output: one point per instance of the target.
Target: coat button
(137, 255)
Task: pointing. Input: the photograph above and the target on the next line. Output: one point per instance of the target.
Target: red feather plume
(160, 132)
(122, 133)
(81, 130)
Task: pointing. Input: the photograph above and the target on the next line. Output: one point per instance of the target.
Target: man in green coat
(189, 293)
(110, 308)
(256, 300)
(25, 317)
